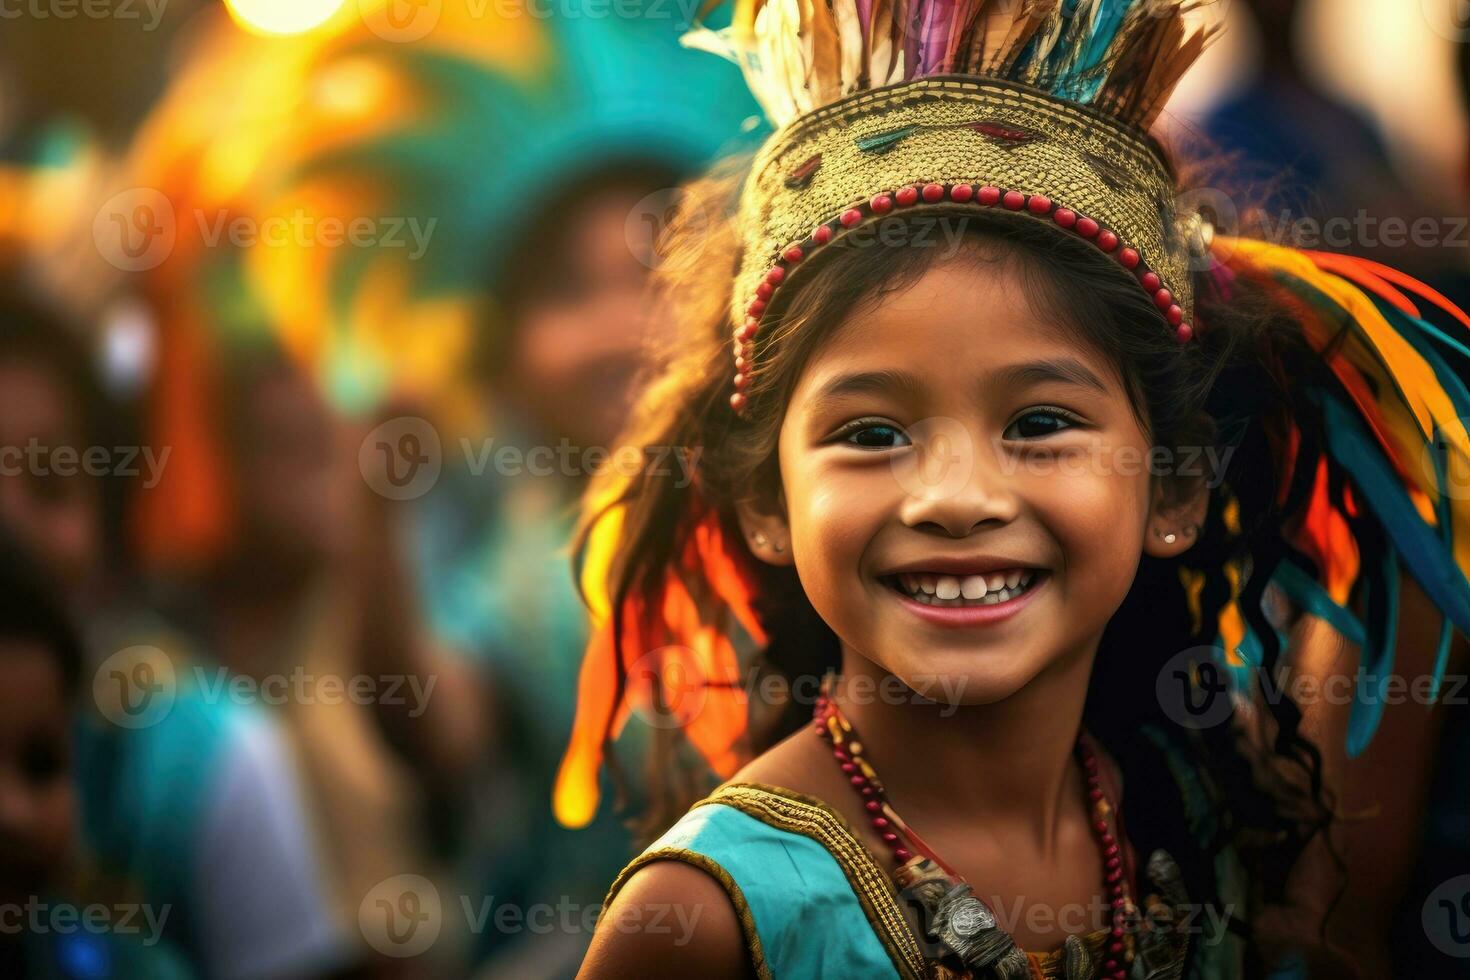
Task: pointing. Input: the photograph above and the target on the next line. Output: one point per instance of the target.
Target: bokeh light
(282, 16)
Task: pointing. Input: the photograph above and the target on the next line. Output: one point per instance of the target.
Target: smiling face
(953, 443)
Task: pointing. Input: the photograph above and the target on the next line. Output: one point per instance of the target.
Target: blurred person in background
(198, 809)
(1307, 154)
(618, 120)
(45, 881)
(307, 601)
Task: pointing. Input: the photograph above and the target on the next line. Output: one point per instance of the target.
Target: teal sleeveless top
(813, 902)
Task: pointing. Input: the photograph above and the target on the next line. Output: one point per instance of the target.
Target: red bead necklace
(901, 839)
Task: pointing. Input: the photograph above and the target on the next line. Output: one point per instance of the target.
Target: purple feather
(934, 35)
(865, 18)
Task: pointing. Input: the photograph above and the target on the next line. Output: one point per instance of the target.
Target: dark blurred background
(315, 317)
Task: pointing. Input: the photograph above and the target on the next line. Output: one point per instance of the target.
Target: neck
(1008, 764)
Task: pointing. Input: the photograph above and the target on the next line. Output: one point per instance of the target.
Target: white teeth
(982, 590)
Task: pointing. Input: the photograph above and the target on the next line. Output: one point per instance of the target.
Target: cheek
(833, 513)
(1096, 512)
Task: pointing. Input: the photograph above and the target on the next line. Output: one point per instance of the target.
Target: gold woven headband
(962, 142)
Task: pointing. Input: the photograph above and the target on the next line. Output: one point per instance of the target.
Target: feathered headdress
(1042, 107)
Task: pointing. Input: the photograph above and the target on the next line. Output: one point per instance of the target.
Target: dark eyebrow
(891, 381)
(1064, 369)
(888, 381)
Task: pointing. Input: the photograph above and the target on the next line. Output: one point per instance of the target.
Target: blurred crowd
(301, 373)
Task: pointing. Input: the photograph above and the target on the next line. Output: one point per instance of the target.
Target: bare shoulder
(670, 919)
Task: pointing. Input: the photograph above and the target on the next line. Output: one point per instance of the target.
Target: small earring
(1169, 538)
(759, 539)
(778, 547)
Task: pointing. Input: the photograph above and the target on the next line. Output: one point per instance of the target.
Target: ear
(766, 531)
(1174, 526)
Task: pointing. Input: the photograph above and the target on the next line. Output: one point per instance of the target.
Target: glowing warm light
(282, 16)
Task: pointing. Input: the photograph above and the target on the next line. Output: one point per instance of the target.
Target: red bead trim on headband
(987, 196)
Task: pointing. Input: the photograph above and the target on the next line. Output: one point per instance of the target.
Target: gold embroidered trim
(797, 813)
(786, 809)
(716, 871)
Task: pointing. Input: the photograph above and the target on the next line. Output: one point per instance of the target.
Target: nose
(954, 481)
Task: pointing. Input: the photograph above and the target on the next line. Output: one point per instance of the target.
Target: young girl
(1035, 475)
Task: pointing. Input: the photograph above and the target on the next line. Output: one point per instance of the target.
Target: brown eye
(1037, 424)
(876, 436)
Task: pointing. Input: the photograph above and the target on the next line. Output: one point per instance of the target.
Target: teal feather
(1376, 661)
(1110, 17)
(1432, 565)
(1307, 594)
(1442, 508)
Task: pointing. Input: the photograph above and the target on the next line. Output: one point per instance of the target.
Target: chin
(956, 679)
